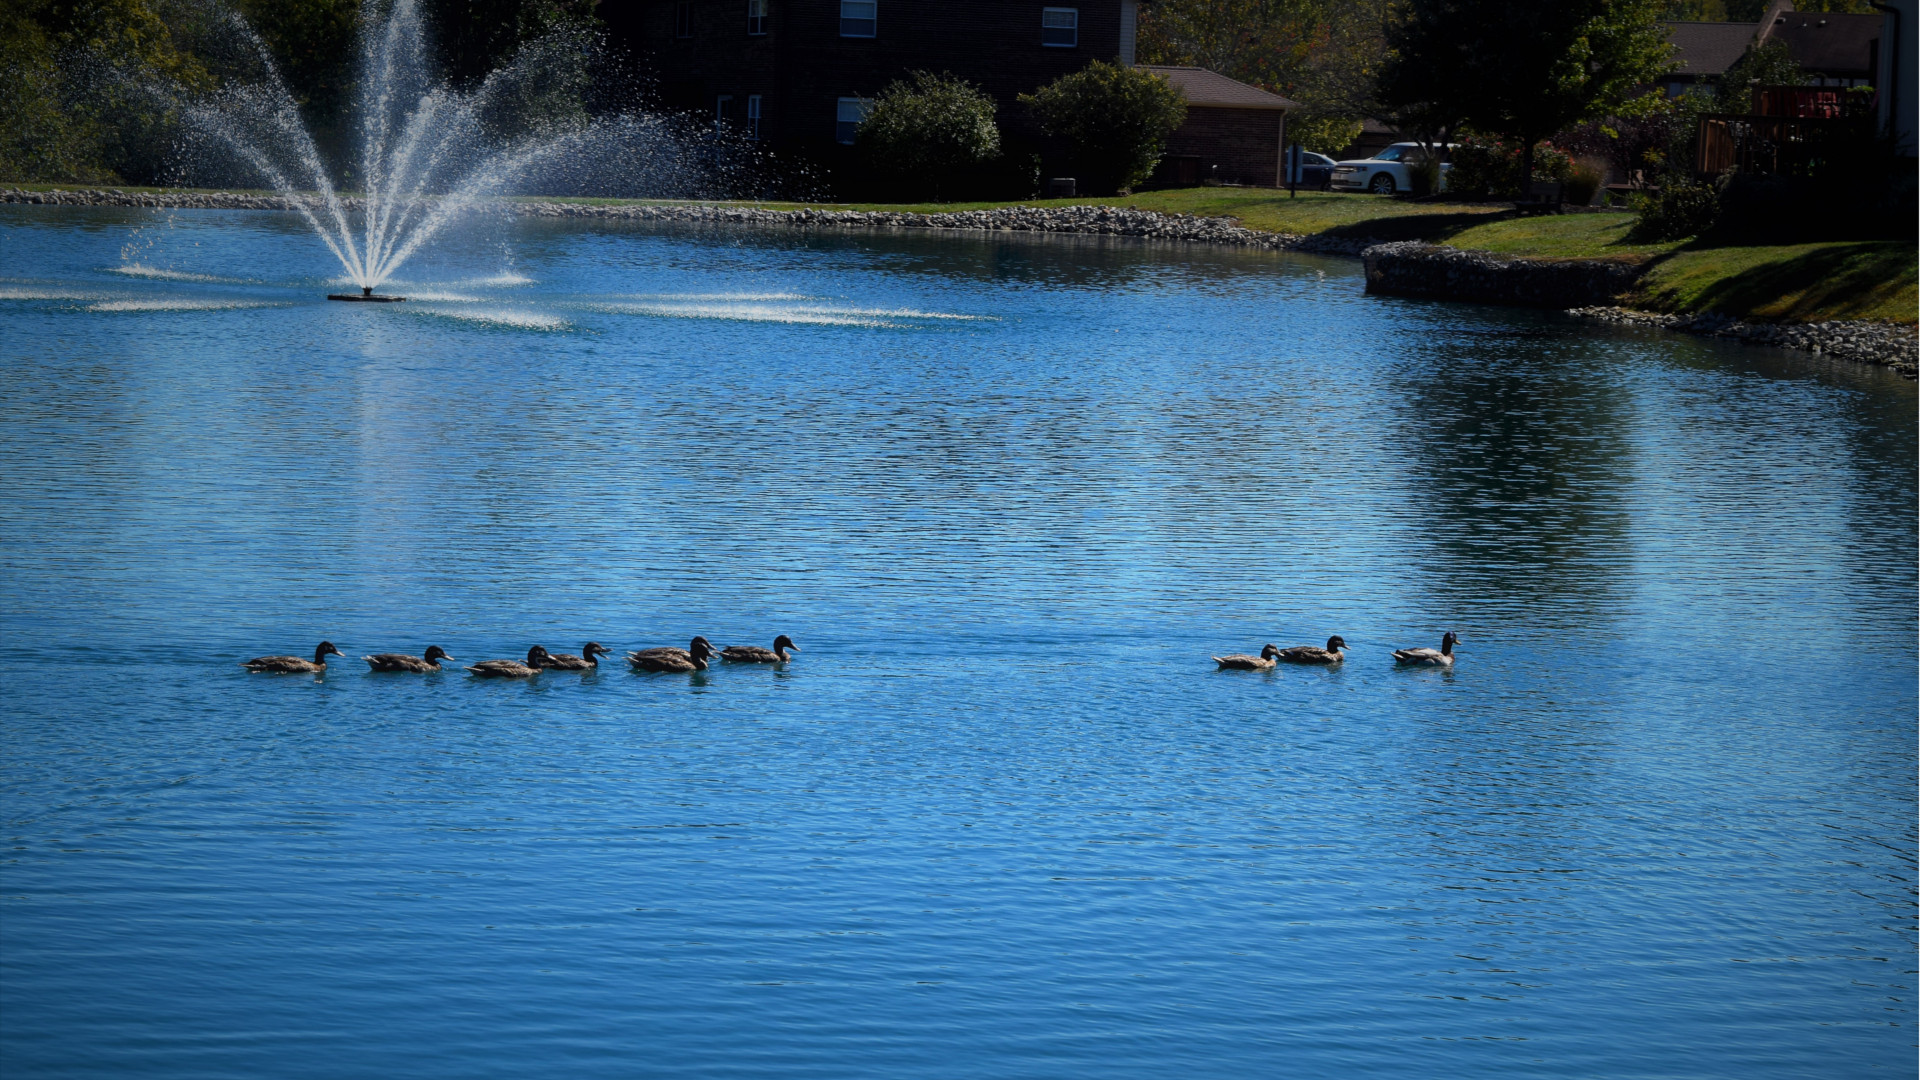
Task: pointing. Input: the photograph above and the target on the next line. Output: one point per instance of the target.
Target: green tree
(931, 131)
(1524, 71)
(1771, 64)
(1113, 120)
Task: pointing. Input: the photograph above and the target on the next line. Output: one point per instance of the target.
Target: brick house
(797, 73)
(1837, 50)
(1234, 133)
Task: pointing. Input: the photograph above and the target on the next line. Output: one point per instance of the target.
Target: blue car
(1315, 171)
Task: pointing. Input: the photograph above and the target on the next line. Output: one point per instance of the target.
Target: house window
(753, 116)
(1060, 27)
(683, 20)
(756, 17)
(723, 112)
(847, 118)
(858, 18)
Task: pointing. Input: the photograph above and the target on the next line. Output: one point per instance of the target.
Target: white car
(1385, 172)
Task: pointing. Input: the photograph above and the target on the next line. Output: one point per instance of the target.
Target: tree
(933, 130)
(1524, 70)
(1113, 119)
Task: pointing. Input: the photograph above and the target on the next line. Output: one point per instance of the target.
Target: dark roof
(1709, 48)
(1828, 44)
(1210, 88)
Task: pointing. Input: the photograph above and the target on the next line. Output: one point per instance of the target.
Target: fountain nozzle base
(366, 296)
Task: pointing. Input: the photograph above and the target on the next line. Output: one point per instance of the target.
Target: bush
(932, 132)
(1682, 207)
(1113, 119)
(1583, 183)
(1490, 168)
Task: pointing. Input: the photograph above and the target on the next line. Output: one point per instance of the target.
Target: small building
(799, 73)
(1233, 134)
(1832, 49)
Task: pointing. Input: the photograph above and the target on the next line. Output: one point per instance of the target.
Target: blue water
(1000, 817)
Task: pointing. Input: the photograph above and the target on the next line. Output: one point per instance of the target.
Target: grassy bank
(1791, 283)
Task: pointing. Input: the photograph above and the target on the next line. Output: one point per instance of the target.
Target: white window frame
(753, 116)
(872, 18)
(756, 18)
(720, 104)
(683, 20)
(1071, 25)
(857, 107)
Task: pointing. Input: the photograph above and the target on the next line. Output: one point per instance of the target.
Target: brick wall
(1234, 146)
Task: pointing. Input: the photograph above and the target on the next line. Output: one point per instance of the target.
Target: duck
(393, 661)
(537, 658)
(754, 654)
(289, 665)
(669, 650)
(1313, 654)
(588, 660)
(1441, 657)
(694, 658)
(1242, 662)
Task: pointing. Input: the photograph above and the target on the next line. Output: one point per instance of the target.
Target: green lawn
(1797, 283)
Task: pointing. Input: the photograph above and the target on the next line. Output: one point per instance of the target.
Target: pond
(1000, 816)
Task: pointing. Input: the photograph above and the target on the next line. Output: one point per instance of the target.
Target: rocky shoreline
(1439, 272)
(1082, 219)
(1581, 286)
(1894, 345)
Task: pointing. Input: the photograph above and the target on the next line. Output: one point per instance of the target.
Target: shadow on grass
(1842, 281)
(1432, 228)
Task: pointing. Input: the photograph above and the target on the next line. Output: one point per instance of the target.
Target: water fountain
(425, 153)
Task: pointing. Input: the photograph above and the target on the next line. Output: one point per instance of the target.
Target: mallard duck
(1441, 657)
(289, 665)
(589, 658)
(537, 658)
(1313, 654)
(754, 654)
(393, 661)
(694, 658)
(1242, 662)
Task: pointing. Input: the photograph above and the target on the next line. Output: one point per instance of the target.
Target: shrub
(929, 131)
(1490, 168)
(1424, 175)
(1682, 207)
(1113, 119)
(1583, 183)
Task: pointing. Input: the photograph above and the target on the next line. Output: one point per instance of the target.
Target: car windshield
(1391, 153)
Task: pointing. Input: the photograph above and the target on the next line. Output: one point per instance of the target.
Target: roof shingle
(1210, 88)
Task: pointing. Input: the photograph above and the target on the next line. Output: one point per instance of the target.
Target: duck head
(784, 643)
(1447, 643)
(325, 650)
(700, 643)
(538, 656)
(1271, 652)
(1336, 643)
(436, 653)
(593, 650)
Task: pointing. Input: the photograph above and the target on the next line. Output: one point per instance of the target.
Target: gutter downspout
(1890, 54)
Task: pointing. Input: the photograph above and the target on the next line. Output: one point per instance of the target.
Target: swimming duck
(1441, 657)
(393, 661)
(754, 654)
(288, 665)
(589, 658)
(1313, 654)
(1242, 662)
(668, 650)
(692, 659)
(537, 658)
